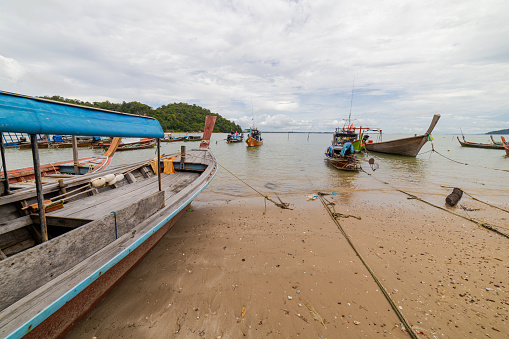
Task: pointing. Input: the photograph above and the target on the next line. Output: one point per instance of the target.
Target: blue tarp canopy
(19, 113)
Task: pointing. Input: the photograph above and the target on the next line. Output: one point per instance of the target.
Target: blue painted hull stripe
(69, 295)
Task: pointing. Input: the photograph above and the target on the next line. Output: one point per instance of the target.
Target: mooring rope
(281, 204)
(412, 196)
(464, 163)
(484, 202)
(400, 315)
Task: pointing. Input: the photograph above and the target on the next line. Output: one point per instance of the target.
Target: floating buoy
(98, 182)
(119, 177)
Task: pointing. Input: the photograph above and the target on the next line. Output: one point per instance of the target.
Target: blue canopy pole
(6, 178)
(38, 185)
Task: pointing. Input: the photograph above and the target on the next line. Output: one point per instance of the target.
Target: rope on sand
(483, 224)
(334, 217)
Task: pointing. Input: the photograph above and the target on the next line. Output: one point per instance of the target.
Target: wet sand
(227, 270)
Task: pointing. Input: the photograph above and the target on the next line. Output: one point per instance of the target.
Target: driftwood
(453, 198)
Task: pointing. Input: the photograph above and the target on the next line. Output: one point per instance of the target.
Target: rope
(403, 320)
(484, 202)
(479, 223)
(280, 204)
(463, 163)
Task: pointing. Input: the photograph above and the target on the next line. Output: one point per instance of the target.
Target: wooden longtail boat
(192, 138)
(506, 145)
(254, 138)
(495, 142)
(405, 146)
(65, 245)
(234, 138)
(134, 146)
(143, 141)
(346, 163)
(465, 143)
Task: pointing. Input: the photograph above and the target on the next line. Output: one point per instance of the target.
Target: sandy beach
(234, 267)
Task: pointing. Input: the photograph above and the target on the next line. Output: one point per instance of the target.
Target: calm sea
(293, 163)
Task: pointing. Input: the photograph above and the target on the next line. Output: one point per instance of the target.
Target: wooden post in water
(75, 154)
(159, 163)
(38, 185)
(182, 156)
(6, 178)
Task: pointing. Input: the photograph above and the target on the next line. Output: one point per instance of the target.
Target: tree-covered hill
(174, 117)
(502, 131)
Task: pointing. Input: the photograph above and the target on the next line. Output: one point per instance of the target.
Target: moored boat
(506, 145)
(341, 154)
(254, 138)
(65, 245)
(465, 143)
(234, 137)
(405, 146)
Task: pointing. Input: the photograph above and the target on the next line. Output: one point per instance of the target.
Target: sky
(282, 65)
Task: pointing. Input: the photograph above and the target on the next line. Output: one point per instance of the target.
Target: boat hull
(64, 278)
(407, 146)
(67, 317)
(251, 142)
(479, 145)
(350, 163)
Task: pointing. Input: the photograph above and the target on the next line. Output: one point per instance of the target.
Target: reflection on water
(294, 163)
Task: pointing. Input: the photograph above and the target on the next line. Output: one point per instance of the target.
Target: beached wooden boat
(65, 245)
(254, 138)
(465, 143)
(346, 163)
(405, 146)
(506, 145)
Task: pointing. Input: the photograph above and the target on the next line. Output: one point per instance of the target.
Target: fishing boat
(465, 143)
(133, 146)
(254, 138)
(169, 138)
(405, 146)
(495, 142)
(192, 138)
(65, 245)
(506, 145)
(340, 161)
(234, 137)
(142, 141)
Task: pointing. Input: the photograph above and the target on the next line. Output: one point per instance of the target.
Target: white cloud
(292, 61)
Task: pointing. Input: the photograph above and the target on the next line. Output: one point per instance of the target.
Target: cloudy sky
(292, 64)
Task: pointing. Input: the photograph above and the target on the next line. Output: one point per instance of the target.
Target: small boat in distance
(406, 146)
(506, 145)
(169, 138)
(495, 142)
(188, 137)
(465, 143)
(254, 138)
(234, 137)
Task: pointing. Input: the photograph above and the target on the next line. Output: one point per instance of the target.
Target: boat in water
(465, 143)
(341, 154)
(234, 137)
(170, 138)
(65, 245)
(405, 146)
(254, 137)
(506, 145)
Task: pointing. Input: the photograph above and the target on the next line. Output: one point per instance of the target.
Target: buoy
(98, 182)
(109, 177)
(119, 177)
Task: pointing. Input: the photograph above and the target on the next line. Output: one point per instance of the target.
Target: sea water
(294, 163)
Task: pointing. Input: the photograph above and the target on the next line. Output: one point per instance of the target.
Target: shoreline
(228, 270)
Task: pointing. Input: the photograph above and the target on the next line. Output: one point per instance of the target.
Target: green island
(176, 117)
(502, 131)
